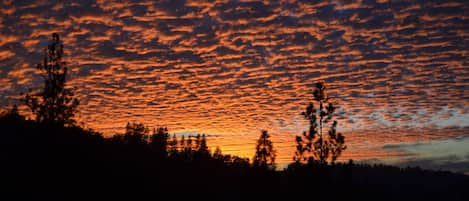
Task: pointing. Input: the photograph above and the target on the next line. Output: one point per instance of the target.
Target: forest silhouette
(50, 157)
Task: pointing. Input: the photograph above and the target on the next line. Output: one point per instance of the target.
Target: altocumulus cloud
(233, 67)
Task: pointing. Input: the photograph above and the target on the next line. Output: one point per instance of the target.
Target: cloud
(451, 154)
(450, 118)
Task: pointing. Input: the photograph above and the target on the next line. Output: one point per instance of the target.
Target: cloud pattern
(229, 68)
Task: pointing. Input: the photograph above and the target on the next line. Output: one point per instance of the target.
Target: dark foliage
(159, 142)
(265, 154)
(313, 146)
(55, 103)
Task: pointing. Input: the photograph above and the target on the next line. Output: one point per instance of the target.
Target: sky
(397, 70)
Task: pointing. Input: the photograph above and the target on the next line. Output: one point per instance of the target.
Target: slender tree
(202, 148)
(173, 146)
(265, 153)
(182, 144)
(314, 146)
(55, 104)
(217, 154)
(197, 142)
(188, 146)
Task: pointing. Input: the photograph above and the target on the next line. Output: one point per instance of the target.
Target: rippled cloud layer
(398, 69)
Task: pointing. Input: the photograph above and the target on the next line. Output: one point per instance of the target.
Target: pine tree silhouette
(314, 146)
(55, 103)
(265, 153)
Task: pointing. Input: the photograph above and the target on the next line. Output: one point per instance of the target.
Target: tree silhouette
(136, 134)
(55, 103)
(197, 142)
(159, 142)
(173, 146)
(182, 144)
(313, 146)
(217, 154)
(265, 153)
(14, 113)
(188, 146)
(201, 145)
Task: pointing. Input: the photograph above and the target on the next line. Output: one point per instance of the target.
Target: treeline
(49, 162)
(159, 145)
(53, 162)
